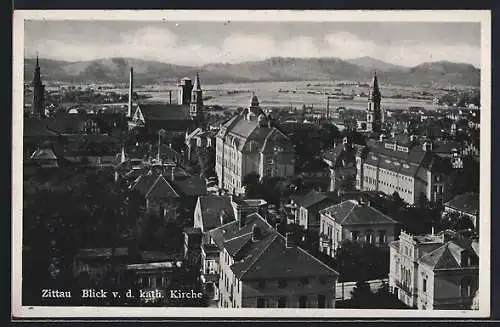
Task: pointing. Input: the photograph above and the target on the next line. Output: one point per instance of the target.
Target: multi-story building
(354, 221)
(210, 213)
(389, 166)
(260, 268)
(251, 143)
(434, 271)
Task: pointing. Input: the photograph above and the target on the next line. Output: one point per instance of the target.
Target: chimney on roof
(222, 216)
(381, 137)
(256, 233)
(427, 146)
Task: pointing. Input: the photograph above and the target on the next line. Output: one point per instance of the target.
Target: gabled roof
(268, 257)
(43, 154)
(351, 212)
(161, 188)
(466, 202)
(164, 111)
(211, 207)
(143, 183)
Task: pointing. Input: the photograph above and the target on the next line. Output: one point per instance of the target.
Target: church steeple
(374, 113)
(196, 106)
(38, 104)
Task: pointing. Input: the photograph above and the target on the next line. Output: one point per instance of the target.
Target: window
(282, 302)
(159, 281)
(354, 235)
(304, 281)
(466, 287)
(321, 301)
(381, 237)
(261, 302)
(282, 283)
(424, 285)
(303, 301)
(369, 237)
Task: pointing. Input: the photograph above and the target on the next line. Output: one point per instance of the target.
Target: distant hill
(371, 64)
(115, 70)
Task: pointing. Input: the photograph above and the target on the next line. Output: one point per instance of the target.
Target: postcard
(249, 164)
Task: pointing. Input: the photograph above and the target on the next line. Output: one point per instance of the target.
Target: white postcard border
(482, 16)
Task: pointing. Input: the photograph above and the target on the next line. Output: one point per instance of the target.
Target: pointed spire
(255, 100)
(37, 63)
(197, 84)
(374, 87)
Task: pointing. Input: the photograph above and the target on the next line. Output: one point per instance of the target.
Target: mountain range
(116, 70)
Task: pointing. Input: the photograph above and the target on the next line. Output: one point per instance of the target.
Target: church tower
(196, 105)
(38, 104)
(374, 112)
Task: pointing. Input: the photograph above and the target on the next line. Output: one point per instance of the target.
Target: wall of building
(292, 293)
(448, 288)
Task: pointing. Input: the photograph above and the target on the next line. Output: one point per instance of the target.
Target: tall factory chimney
(130, 92)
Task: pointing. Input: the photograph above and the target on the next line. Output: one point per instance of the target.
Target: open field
(296, 94)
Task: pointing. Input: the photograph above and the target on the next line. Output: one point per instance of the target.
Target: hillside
(115, 70)
(371, 64)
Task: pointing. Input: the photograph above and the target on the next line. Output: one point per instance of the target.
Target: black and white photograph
(251, 163)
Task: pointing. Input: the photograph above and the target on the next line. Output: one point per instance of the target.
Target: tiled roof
(211, 207)
(350, 212)
(190, 185)
(267, 257)
(406, 163)
(161, 188)
(164, 111)
(447, 256)
(310, 199)
(466, 202)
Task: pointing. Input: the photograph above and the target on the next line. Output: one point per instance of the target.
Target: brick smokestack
(130, 92)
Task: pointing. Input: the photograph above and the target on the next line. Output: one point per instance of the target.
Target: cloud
(162, 44)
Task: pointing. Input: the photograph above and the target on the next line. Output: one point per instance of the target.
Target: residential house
(355, 221)
(260, 268)
(434, 271)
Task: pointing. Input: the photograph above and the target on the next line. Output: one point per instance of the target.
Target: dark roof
(351, 212)
(144, 183)
(164, 111)
(448, 256)
(466, 202)
(190, 185)
(161, 188)
(310, 199)
(211, 207)
(268, 257)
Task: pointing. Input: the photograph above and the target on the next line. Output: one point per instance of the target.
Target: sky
(196, 42)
